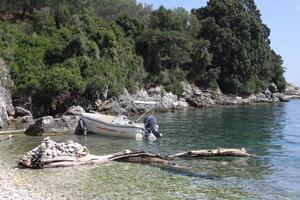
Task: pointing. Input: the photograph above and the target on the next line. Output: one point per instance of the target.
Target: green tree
(239, 43)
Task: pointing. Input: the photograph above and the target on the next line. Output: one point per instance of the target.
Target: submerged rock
(48, 124)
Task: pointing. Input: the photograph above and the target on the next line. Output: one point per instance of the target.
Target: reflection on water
(271, 132)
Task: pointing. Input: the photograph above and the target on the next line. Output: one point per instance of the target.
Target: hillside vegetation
(61, 50)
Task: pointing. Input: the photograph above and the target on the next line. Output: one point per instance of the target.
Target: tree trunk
(46, 156)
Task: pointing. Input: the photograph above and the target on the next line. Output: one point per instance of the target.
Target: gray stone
(187, 89)
(48, 124)
(291, 89)
(27, 119)
(1, 123)
(273, 88)
(168, 100)
(3, 115)
(283, 98)
(155, 91)
(253, 98)
(203, 100)
(21, 112)
(197, 91)
(276, 95)
(268, 93)
(6, 107)
(75, 110)
(292, 92)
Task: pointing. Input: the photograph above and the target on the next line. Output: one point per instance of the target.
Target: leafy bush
(84, 47)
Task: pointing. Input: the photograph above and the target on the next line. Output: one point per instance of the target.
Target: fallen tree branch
(51, 154)
(212, 153)
(14, 132)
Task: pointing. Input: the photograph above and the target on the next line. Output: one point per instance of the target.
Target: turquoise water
(270, 131)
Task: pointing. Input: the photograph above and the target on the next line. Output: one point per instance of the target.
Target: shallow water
(270, 131)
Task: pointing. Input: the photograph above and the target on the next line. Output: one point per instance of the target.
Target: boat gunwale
(116, 125)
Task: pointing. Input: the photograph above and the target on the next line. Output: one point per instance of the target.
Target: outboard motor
(151, 126)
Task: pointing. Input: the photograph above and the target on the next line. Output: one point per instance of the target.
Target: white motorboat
(121, 126)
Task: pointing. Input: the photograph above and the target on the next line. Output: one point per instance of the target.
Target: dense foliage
(61, 49)
(242, 58)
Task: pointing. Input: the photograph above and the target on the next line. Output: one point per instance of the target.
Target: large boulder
(48, 124)
(75, 110)
(23, 115)
(273, 88)
(6, 107)
(3, 114)
(281, 97)
(268, 93)
(1, 122)
(21, 112)
(261, 97)
(201, 100)
(291, 89)
(155, 91)
(292, 92)
(181, 104)
(229, 100)
(168, 101)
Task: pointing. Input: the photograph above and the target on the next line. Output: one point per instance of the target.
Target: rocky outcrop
(191, 96)
(273, 88)
(48, 124)
(75, 110)
(6, 107)
(21, 112)
(197, 98)
(23, 115)
(292, 91)
(166, 101)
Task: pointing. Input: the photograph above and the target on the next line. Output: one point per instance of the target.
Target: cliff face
(6, 107)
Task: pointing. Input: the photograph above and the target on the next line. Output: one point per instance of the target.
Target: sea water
(269, 131)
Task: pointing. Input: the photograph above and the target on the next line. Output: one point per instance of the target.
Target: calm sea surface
(270, 131)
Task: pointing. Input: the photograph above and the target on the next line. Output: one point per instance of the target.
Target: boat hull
(101, 127)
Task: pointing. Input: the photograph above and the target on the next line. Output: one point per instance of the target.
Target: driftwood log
(51, 154)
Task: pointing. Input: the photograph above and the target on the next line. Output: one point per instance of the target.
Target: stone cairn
(49, 151)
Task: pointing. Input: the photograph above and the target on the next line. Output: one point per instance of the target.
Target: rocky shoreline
(192, 96)
(67, 122)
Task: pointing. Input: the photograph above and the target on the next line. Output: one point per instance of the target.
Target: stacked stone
(49, 150)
